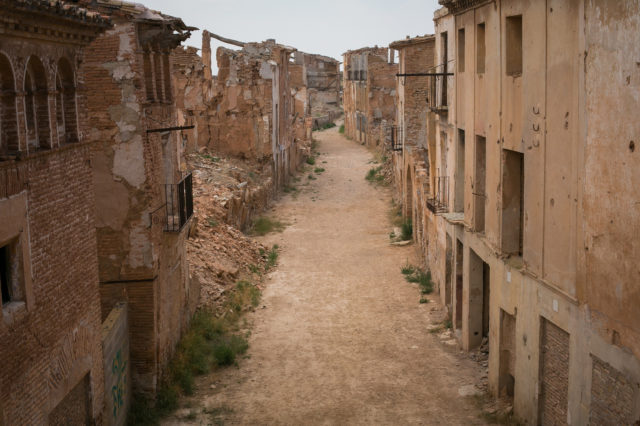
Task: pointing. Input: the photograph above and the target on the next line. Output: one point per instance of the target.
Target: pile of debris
(226, 194)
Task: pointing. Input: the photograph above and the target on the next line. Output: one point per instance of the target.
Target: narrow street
(340, 337)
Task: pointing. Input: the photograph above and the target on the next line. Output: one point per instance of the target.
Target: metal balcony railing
(440, 201)
(179, 205)
(396, 138)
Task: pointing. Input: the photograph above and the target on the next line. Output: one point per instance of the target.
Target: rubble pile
(225, 189)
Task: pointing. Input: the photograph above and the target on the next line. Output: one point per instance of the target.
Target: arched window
(37, 105)
(9, 142)
(66, 103)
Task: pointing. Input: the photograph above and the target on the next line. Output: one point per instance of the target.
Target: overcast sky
(326, 27)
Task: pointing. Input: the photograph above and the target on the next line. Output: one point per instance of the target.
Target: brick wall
(554, 375)
(612, 395)
(55, 341)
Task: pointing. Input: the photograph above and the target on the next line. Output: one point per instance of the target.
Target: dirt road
(342, 338)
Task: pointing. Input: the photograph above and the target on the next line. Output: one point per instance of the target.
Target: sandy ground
(339, 337)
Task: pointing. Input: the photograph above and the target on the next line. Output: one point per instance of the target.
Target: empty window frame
(10, 272)
(148, 76)
(459, 176)
(514, 45)
(480, 183)
(480, 48)
(8, 117)
(512, 202)
(461, 50)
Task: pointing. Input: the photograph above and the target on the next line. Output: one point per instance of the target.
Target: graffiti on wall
(119, 389)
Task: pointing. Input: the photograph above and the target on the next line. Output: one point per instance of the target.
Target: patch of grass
(272, 258)
(423, 300)
(408, 269)
(254, 269)
(328, 125)
(290, 188)
(210, 157)
(341, 130)
(264, 225)
(311, 177)
(448, 324)
(318, 170)
(209, 343)
(406, 230)
(311, 160)
(211, 222)
(374, 175)
(416, 275)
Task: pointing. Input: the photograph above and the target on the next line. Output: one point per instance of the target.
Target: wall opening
(512, 202)
(461, 50)
(480, 183)
(458, 292)
(459, 177)
(408, 196)
(66, 110)
(166, 73)
(148, 75)
(507, 364)
(514, 45)
(37, 105)
(479, 292)
(448, 271)
(445, 62)
(157, 72)
(9, 142)
(11, 276)
(553, 374)
(480, 48)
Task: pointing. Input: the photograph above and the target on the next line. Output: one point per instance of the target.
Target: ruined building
(322, 79)
(530, 230)
(143, 191)
(368, 96)
(52, 365)
(413, 124)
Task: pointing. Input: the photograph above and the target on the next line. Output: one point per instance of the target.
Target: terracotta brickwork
(369, 91)
(137, 166)
(50, 327)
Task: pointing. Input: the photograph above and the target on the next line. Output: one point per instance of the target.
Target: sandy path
(342, 338)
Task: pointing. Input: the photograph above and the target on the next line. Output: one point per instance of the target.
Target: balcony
(440, 201)
(438, 87)
(179, 204)
(395, 137)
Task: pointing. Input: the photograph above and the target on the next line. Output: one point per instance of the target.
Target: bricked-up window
(514, 45)
(461, 50)
(37, 105)
(148, 76)
(166, 73)
(10, 277)
(480, 48)
(8, 121)
(157, 71)
(67, 93)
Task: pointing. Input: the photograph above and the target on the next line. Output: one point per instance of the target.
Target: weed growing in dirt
(272, 258)
(254, 269)
(209, 343)
(416, 275)
(318, 170)
(423, 300)
(448, 324)
(328, 125)
(408, 269)
(374, 175)
(211, 222)
(311, 177)
(311, 160)
(341, 129)
(210, 157)
(406, 230)
(289, 189)
(264, 225)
